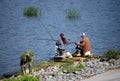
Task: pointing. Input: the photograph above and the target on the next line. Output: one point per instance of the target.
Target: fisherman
(85, 45)
(26, 61)
(61, 45)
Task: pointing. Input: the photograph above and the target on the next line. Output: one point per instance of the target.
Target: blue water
(99, 19)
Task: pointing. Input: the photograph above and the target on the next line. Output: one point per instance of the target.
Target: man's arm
(80, 44)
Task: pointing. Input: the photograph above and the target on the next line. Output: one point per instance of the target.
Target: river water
(99, 19)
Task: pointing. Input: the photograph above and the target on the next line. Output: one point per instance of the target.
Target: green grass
(72, 14)
(65, 65)
(112, 54)
(80, 66)
(45, 65)
(24, 78)
(30, 11)
(68, 67)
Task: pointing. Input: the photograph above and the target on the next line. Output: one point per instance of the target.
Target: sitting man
(85, 45)
(26, 60)
(61, 47)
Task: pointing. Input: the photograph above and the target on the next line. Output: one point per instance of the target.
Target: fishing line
(51, 35)
(46, 39)
(72, 42)
(47, 31)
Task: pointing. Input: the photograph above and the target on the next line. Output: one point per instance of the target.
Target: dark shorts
(61, 49)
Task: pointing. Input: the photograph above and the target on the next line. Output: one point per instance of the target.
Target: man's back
(86, 46)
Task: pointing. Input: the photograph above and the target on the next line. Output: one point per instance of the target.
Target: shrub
(30, 11)
(111, 54)
(72, 14)
(24, 78)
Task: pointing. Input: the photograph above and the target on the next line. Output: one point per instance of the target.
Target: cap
(83, 34)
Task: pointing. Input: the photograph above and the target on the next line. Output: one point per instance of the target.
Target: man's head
(61, 35)
(83, 35)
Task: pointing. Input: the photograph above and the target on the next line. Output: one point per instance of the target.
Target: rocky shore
(92, 67)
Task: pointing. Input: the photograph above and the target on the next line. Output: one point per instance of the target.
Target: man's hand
(77, 43)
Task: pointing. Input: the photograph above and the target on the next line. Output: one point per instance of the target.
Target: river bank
(93, 67)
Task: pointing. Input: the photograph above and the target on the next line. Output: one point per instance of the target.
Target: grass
(80, 66)
(72, 14)
(65, 65)
(69, 67)
(30, 11)
(112, 54)
(45, 64)
(24, 78)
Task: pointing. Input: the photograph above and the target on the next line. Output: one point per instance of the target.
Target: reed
(72, 14)
(30, 11)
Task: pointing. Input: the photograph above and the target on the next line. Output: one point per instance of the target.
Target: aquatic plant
(30, 11)
(24, 78)
(111, 54)
(72, 14)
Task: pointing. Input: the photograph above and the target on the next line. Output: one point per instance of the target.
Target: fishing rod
(47, 31)
(73, 42)
(50, 33)
(46, 39)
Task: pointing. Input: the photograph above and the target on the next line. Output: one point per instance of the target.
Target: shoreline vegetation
(69, 70)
